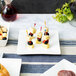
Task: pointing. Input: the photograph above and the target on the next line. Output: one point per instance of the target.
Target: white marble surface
(24, 21)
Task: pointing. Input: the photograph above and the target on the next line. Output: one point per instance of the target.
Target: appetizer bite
(3, 71)
(3, 33)
(0, 34)
(32, 30)
(46, 41)
(39, 37)
(66, 73)
(46, 30)
(29, 40)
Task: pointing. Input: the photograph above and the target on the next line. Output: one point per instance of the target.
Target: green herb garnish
(64, 14)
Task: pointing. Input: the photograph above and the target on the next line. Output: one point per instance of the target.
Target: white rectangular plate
(12, 65)
(62, 65)
(38, 49)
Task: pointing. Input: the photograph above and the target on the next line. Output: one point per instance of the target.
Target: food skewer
(3, 33)
(45, 42)
(39, 37)
(32, 30)
(46, 30)
(4, 30)
(29, 40)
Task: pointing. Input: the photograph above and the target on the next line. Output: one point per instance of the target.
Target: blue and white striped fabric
(38, 64)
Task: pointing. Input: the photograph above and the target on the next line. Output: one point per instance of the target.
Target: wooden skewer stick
(45, 23)
(27, 32)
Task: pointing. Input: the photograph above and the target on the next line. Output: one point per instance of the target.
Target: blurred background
(37, 6)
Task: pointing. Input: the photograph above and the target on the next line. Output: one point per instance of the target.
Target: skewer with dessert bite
(45, 42)
(3, 71)
(39, 37)
(29, 41)
(46, 30)
(32, 30)
(3, 33)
